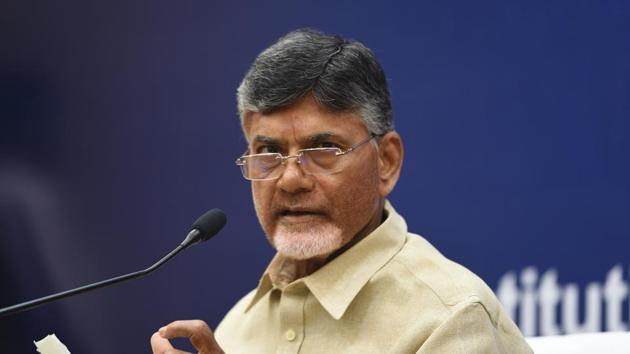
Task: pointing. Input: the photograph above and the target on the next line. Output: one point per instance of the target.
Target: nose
(293, 179)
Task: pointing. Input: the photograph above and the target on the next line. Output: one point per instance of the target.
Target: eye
(267, 149)
(326, 144)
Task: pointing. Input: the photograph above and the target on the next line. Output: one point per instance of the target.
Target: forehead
(302, 120)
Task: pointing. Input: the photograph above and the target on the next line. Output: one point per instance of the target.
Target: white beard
(301, 242)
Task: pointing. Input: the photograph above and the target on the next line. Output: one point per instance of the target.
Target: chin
(303, 243)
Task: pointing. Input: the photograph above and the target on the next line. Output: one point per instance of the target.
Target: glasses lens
(321, 161)
(260, 166)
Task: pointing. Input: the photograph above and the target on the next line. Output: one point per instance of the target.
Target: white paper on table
(51, 345)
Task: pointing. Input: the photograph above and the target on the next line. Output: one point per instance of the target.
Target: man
(347, 277)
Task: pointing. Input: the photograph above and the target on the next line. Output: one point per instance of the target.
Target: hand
(197, 331)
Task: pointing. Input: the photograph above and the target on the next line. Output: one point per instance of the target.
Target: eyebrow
(319, 137)
(312, 139)
(262, 139)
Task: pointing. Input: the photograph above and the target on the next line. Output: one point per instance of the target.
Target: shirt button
(289, 335)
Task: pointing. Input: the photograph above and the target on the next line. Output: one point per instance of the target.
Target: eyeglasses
(316, 161)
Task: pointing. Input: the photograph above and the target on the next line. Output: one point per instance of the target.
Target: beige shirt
(392, 292)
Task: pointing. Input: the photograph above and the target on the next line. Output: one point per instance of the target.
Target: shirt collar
(337, 283)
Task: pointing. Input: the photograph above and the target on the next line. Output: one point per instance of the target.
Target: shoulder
(446, 307)
(451, 284)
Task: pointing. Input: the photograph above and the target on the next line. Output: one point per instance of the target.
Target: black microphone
(206, 226)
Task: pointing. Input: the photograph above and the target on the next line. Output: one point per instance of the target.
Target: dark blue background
(118, 127)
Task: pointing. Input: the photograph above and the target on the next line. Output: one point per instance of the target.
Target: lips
(296, 212)
(299, 213)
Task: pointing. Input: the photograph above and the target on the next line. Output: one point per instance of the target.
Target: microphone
(206, 226)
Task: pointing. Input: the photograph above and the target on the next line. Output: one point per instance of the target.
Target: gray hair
(342, 75)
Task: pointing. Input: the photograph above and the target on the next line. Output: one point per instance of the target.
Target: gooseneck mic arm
(209, 224)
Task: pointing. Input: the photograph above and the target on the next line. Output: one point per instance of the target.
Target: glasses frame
(300, 155)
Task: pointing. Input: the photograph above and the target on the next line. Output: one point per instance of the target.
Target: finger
(159, 344)
(185, 329)
(197, 331)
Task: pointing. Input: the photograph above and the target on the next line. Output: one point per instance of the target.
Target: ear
(390, 161)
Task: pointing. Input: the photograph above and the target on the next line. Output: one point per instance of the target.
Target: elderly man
(322, 157)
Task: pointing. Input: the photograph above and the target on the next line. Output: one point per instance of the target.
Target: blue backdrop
(118, 127)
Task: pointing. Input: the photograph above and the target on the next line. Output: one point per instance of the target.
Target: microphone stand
(54, 297)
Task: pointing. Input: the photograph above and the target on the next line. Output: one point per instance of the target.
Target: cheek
(357, 197)
(262, 200)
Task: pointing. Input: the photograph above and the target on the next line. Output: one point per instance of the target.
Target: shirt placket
(292, 318)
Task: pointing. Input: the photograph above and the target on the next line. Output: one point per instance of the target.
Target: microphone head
(208, 224)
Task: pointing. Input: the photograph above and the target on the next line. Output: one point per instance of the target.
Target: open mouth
(299, 213)
(296, 213)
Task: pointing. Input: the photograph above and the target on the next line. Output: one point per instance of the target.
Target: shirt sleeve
(470, 330)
